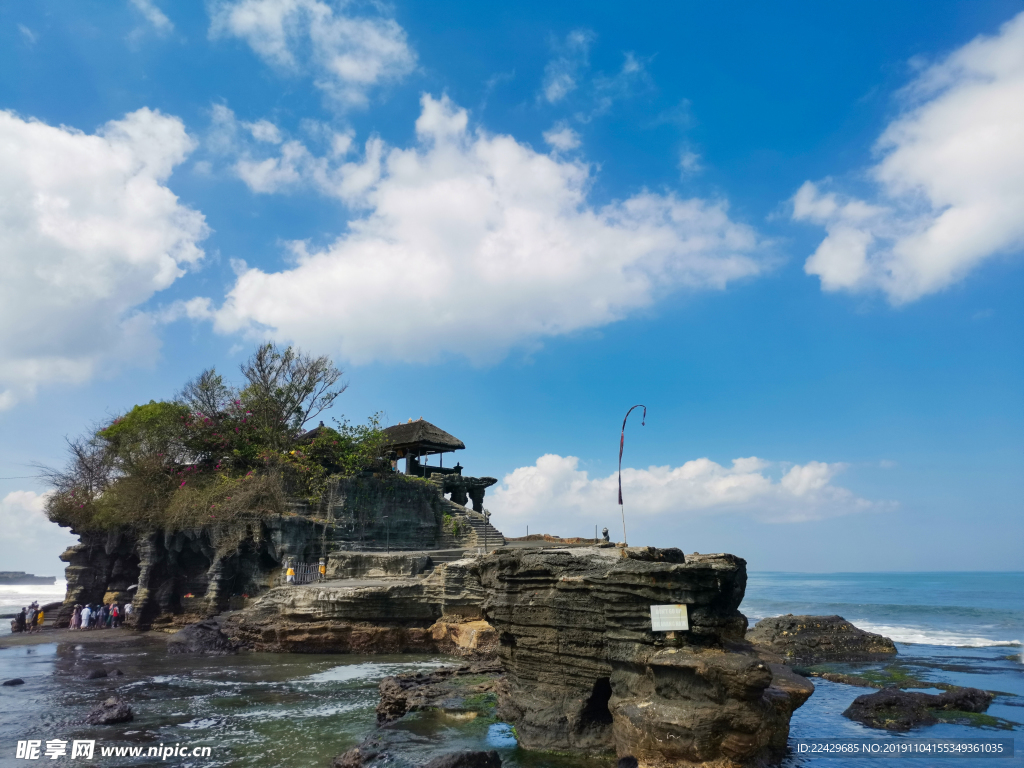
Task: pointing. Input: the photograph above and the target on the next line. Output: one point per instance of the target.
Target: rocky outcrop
(110, 712)
(446, 689)
(203, 638)
(439, 613)
(585, 671)
(465, 759)
(813, 639)
(895, 710)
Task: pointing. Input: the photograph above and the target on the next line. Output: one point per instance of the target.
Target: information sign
(669, 618)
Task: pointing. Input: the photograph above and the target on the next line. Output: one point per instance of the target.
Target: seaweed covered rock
(204, 638)
(585, 671)
(110, 712)
(446, 688)
(812, 639)
(894, 710)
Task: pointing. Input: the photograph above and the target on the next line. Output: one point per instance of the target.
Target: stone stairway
(474, 531)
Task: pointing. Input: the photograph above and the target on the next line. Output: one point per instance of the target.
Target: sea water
(295, 710)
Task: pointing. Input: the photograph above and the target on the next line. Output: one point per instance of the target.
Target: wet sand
(81, 637)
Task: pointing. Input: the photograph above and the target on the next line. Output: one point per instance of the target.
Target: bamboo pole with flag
(622, 444)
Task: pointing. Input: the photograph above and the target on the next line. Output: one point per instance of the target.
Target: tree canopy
(217, 452)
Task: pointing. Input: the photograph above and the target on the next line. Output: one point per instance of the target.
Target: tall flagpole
(622, 443)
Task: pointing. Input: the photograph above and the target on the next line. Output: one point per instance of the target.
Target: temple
(416, 441)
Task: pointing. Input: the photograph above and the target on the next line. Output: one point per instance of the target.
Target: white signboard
(669, 618)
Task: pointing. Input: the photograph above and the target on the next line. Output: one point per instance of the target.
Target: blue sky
(794, 233)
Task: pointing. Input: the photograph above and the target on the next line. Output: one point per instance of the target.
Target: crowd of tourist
(90, 616)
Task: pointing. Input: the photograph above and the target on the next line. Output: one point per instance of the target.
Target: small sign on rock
(669, 618)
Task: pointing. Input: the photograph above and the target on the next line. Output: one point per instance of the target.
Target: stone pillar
(477, 495)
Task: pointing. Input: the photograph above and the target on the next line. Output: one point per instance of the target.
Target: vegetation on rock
(217, 454)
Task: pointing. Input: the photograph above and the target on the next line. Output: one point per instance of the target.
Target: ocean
(266, 710)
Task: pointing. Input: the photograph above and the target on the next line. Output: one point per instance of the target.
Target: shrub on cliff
(216, 454)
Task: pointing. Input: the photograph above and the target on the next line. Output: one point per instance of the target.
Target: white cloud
(950, 180)
(471, 244)
(346, 55)
(561, 137)
(689, 163)
(153, 15)
(30, 539)
(561, 75)
(88, 231)
(555, 494)
(30, 36)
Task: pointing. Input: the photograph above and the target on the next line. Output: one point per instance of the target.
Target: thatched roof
(421, 436)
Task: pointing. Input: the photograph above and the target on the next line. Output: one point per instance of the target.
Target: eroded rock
(110, 712)
(203, 638)
(13, 681)
(446, 688)
(811, 639)
(586, 673)
(895, 710)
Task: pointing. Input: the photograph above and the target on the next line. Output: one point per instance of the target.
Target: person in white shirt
(86, 615)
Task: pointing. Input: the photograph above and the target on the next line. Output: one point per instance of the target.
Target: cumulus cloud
(88, 231)
(346, 55)
(950, 180)
(555, 494)
(561, 137)
(153, 15)
(29, 537)
(471, 243)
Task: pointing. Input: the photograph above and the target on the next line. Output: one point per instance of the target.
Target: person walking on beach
(39, 619)
(86, 615)
(128, 611)
(101, 623)
(76, 617)
(31, 618)
(115, 616)
(290, 573)
(19, 620)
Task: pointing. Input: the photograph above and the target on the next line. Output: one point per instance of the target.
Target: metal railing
(305, 573)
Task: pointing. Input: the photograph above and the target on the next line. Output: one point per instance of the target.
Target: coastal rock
(467, 759)
(812, 639)
(894, 710)
(586, 673)
(354, 758)
(202, 638)
(397, 616)
(13, 681)
(110, 712)
(446, 688)
(95, 674)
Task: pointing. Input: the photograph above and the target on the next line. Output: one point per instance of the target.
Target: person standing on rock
(115, 616)
(76, 618)
(20, 619)
(30, 620)
(39, 619)
(128, 611)
(290, 574)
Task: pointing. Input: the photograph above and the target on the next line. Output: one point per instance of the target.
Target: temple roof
(423, 436)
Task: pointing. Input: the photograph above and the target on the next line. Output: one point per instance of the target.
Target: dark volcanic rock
(586, 673)
(896, 710)
(111, 711)
(204, 638)
(95, 674)
(467, 759)
(14, 681)
(354, 758)
(819, 638)
(445, 688)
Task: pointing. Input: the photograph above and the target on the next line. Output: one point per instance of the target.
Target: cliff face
(586, 673)
(437, 613)
(184, 576)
